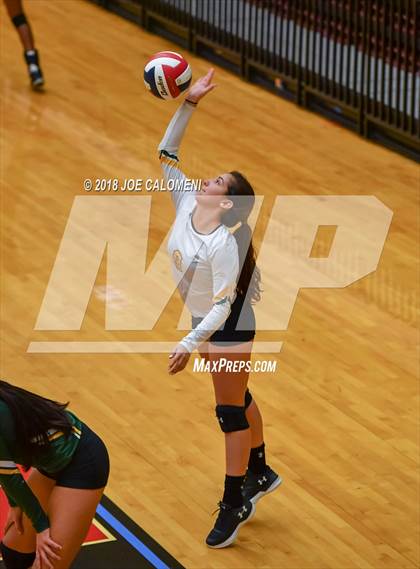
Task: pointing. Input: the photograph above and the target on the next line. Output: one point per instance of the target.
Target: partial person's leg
(255, 421)
(71, 512)
(256, 462)
(260, 478)
(19, 546)
(23, 27)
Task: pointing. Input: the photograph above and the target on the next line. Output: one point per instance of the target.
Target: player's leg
(76, 495)
(229, 388)
(260, 478)
(24, 30)
(242, 323)
(19, 549)
(23, 27)
(71, 512)
(255, 421)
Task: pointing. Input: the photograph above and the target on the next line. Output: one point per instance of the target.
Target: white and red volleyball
(167, 74)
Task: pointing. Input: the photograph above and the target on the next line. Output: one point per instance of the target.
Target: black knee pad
(231, 418)
(15, 560)
(248, 398)
(19, 20)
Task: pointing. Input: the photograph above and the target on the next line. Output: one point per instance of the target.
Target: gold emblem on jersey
(177, 257)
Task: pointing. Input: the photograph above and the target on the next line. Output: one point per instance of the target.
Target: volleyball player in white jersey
(214, 269)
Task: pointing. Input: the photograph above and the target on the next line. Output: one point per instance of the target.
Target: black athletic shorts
(227, 332)
(89, 466)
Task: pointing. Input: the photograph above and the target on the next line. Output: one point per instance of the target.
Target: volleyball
(167, 74)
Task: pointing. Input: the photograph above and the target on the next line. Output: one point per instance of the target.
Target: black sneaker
(258, 485)
(228, 523)
(34, 69)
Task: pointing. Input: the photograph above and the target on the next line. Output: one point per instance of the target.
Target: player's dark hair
(33, 416)
(242, 195)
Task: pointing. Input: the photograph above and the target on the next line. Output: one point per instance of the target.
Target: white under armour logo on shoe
(242, 512)
(262, 480)
(220, 419)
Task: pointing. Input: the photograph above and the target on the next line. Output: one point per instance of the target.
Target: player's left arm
(18, 492)
(225, 269)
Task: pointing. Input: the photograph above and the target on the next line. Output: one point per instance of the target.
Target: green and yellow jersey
(53, 458)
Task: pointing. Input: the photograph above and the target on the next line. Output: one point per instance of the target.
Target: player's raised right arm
(170, 143)
(168, 153)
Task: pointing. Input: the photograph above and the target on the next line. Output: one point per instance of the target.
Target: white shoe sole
(273, 486)
(232, 538)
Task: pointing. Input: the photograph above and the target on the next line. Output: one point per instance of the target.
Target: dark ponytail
(243, 198)
(33, 416)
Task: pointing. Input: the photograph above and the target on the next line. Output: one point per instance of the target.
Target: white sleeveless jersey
(205, 267)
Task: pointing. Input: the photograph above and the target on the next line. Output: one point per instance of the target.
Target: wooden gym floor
(341, 412)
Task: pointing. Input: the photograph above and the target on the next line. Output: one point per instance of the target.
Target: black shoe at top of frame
(258, 485)
(228, 523)
(34, 69)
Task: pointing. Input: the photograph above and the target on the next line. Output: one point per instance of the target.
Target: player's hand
(14, 518)
(178, 359)
(201, 87)
(46, 551)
